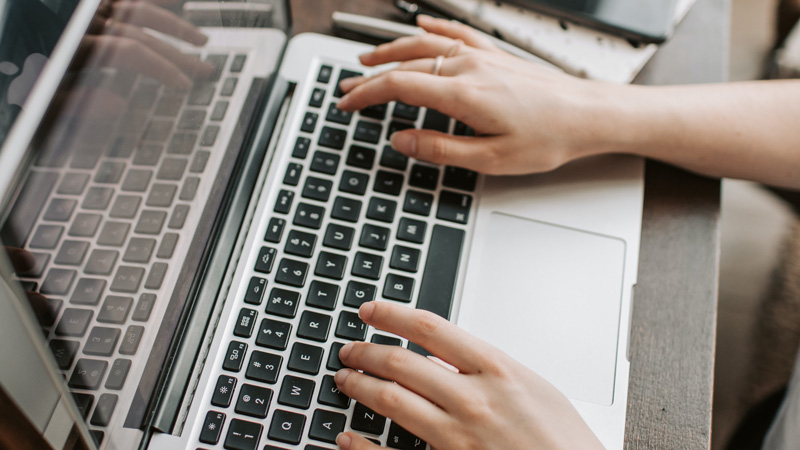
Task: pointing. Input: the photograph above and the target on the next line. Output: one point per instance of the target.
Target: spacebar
(441, 269)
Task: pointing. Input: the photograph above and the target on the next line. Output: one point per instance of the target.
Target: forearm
(737, 130)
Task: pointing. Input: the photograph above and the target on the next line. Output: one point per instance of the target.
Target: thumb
(475, 153)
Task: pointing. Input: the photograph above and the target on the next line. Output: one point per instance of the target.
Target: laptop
(191, 261)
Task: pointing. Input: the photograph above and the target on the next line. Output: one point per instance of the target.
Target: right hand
(528, 118)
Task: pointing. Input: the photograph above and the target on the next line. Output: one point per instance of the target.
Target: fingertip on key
(365, 311)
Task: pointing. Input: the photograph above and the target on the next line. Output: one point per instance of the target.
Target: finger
(413, 88)
(188, 64)
(147, 15)
(456, 30)
(411, 370)
(413, 412)
(126, 53)
(41, 307)
(21, 260)
(474, 153)
(354, 441)
(425, 65)
(410, 47)
(434, 333)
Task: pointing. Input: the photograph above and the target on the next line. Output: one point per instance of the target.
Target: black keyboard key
(179, 215)
(354, 182)
(300, 243)
(369, 132)
(305, 358)
(275, 230)
(381, 209)
(228, 87)
(160, 195)
(84, 403)
(367, 265)
(255, 290)
(137, 180)
(191, 119)
(104, 410)
(264, 367)
(88, 374)
(346, 209)
(325, 73)
(64, 352)
(292, 272)
(301, 147)
(148, 154)
(57, 282)
(336, 115)
(331, 265)
(454, 207)
(461, 129)
(314, 326)
(282, 302)
(72, 253)
(344, 74)
(411, 230)
(405, 258)
(296, 391)
(172, 169)
(385, 340)
(317, 188)
(60, 210)
(284, 202)
(332, 138)
(131, 340)
(334, 363)
(144, 307)
(266, 259)
(223, 391)
(189, 190)
(273, 334)
(243, 435)
(317, 97)
(85, 225)
(127, 279)
(115, 309)
(169, 106)
(118, 374)
(393, 159)
(424, 177)
(405, 111)
(374, 237)
(101, 262)
(339, 237)
(234, 358)
(309, 216)
(401, 439)
(245, 323)
(218, 61)
(286, 427)
(109, 172)
(47, 315)
(419, 203)
(325, 162)
(292, 176)
(388, 182)
(361, 157)
(46, 236)
(113, 234)
(74, 322)
(322, 295)
(208, 139)
(434, 120)
(309, 122)
(375, 111)
(150, 222)
(97, 436)
(212, 427)
(88, 291)
(73, 184)
(220, 108)
(458, 178)
(358, 293)
(330, 395)
(158, 130)
(238, 63)
(398, 287)
(201, 94)
(351, 327)
(139, 250)
(326, 425)
(367, 420)
(395, 126)
(126, 206)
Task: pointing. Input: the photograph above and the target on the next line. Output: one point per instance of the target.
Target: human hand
(492, 401)
(528, 118)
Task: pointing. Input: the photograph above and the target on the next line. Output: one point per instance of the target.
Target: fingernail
(343, 101)
(343, 441)
(341, 376)
(365, 311)
(344, 352)
(424, 18)
(405, 143)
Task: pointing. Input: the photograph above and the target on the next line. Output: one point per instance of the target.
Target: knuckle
(393, 80)
(396, 359)
(386, 397)
(438, 149)
(426, 325)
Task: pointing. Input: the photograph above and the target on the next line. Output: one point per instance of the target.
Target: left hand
(491, 402)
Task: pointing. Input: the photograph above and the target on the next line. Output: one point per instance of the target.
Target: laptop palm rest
(568, 330)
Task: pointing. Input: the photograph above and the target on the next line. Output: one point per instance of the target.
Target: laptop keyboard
(352, 221)
(105, 223)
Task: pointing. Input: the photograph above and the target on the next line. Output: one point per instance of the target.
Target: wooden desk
(675, 304)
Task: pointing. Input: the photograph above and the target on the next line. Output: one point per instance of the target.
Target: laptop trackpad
(567, 332)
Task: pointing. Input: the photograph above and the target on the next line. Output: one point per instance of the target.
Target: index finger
(145, 14)
(430, 331)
